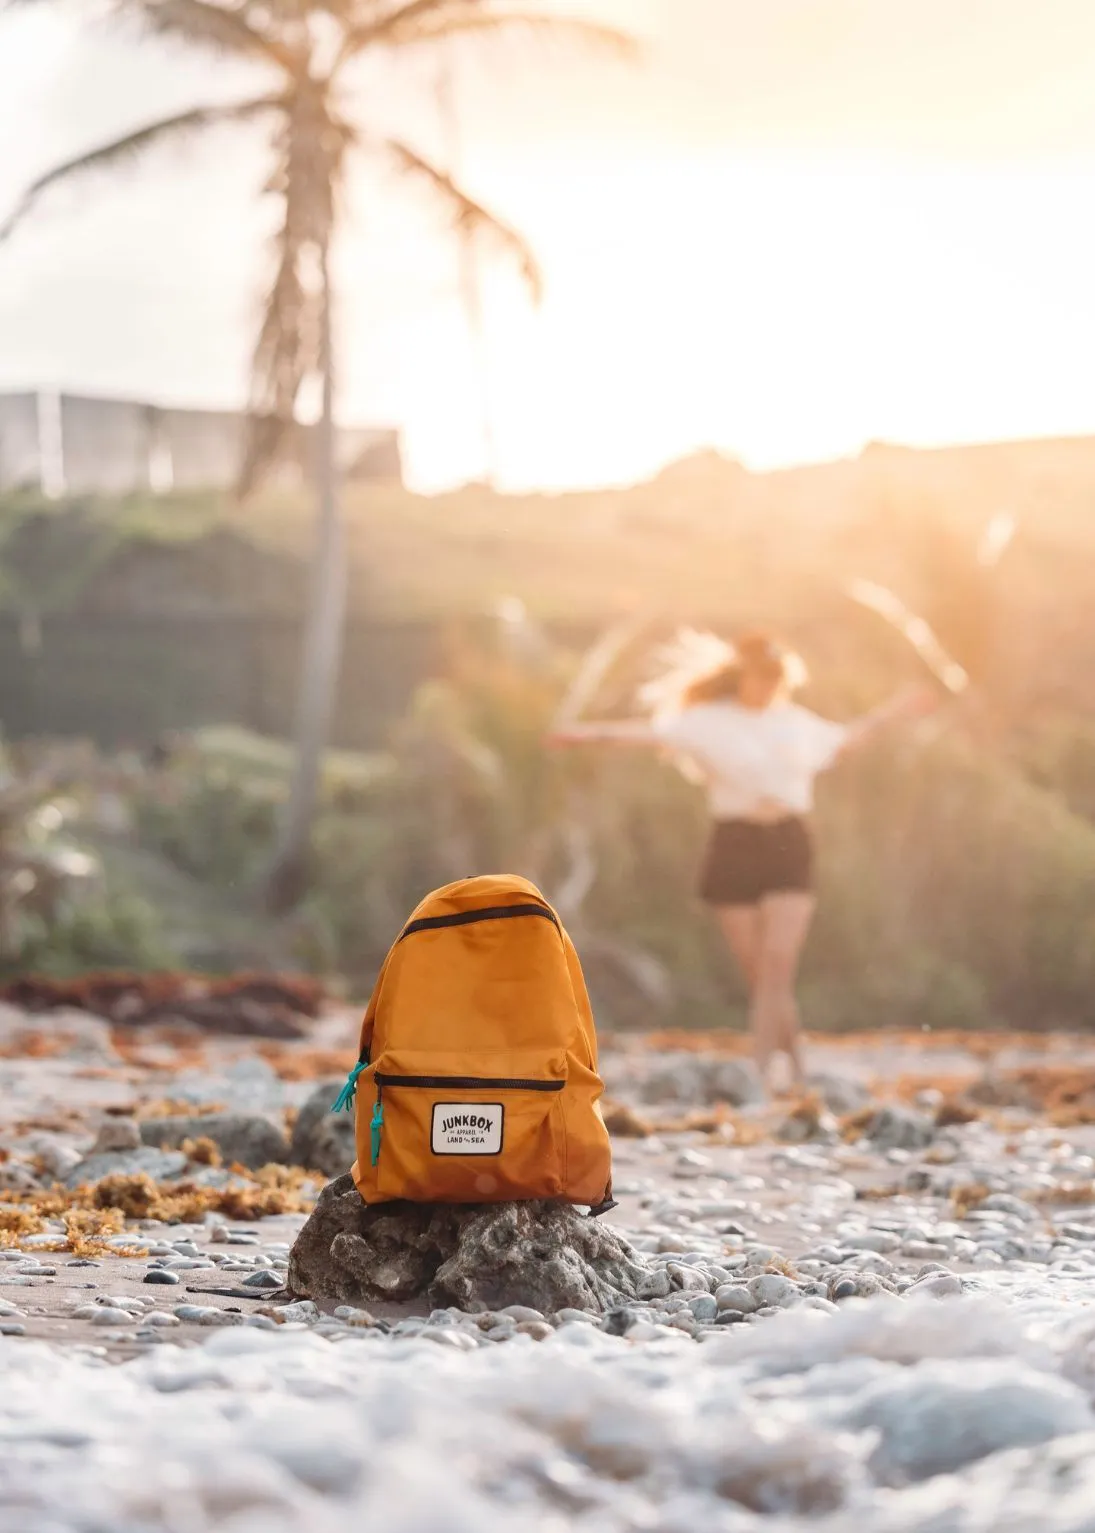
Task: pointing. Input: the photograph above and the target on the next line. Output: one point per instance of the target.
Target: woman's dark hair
(759, 652)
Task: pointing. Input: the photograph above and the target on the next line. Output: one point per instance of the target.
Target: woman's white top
(753, 757)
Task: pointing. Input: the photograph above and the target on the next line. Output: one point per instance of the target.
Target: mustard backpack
(476, 1080)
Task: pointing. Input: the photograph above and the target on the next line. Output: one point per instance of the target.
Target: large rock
(478, 1257)
(323, 1140)
(246, 1138)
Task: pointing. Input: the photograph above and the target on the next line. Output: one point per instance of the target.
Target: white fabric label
(467, 1128)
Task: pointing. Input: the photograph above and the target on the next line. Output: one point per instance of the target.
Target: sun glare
(783, 312)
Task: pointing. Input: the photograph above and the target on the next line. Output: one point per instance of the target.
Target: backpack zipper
(484, 913)
(467, 1082)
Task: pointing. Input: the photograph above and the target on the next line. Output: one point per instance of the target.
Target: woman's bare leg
(784, 923)
(741, 926)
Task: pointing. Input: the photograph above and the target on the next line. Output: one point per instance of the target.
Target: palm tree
(307, 49)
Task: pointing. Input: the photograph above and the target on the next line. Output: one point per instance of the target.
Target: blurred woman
(727, 716)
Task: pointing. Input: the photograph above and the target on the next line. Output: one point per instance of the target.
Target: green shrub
(103, 929)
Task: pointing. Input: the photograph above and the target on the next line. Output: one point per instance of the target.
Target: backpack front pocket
(456, 1130)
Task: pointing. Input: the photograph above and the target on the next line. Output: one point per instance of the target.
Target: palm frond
(376, 29)
(224, 28)
(132, 146)
(471, 220)
(566, 30)
(432, 21)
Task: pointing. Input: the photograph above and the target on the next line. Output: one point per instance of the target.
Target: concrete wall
(71, 445)
(19, 460)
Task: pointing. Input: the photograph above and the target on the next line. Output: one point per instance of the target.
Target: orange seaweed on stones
(953, 1111)
(34, 1045)
(623, 1122)
(202, 1151)
(968, 1196)
(1066, 1194)
(853, 1125)
(172, 1107)
(244, 1004)
(303, 1064)
(907, 1086)
(17, 1220)
(806, 1118)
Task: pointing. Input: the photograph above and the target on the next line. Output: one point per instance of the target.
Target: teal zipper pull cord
(376, 1125)
(345, 1099)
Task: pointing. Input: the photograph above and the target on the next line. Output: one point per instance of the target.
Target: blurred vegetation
(958, 887)
(957, 860)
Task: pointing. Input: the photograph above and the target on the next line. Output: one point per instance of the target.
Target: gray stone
(303, 1309)
(244, 1138)
(939, 1285)
(519, 1312)
(263, 1278)
(731, 1296)
(322, 1140)
(190, 1314)
(158, 1164)
(1006, 1203)
(840, 1093)
(688, 1279)
(116, 1134)
(900, 1128)
(704, 1307)
(879, 1241)
(772, 1288)
(545, 1256)
(159, 1275)
(944, 1414)
(699, 1080)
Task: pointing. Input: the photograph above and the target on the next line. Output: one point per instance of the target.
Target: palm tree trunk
(322, 659)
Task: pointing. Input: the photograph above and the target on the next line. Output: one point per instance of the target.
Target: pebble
(704, 1307)
(303, 1309)
(160, 1275)
(732, 1296)
(773, 1289)
(937, 1285)
(264, 1278)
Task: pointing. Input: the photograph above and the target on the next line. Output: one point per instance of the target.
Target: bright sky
(797, 226)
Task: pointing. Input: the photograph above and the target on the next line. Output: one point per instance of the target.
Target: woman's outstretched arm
(909, 703)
